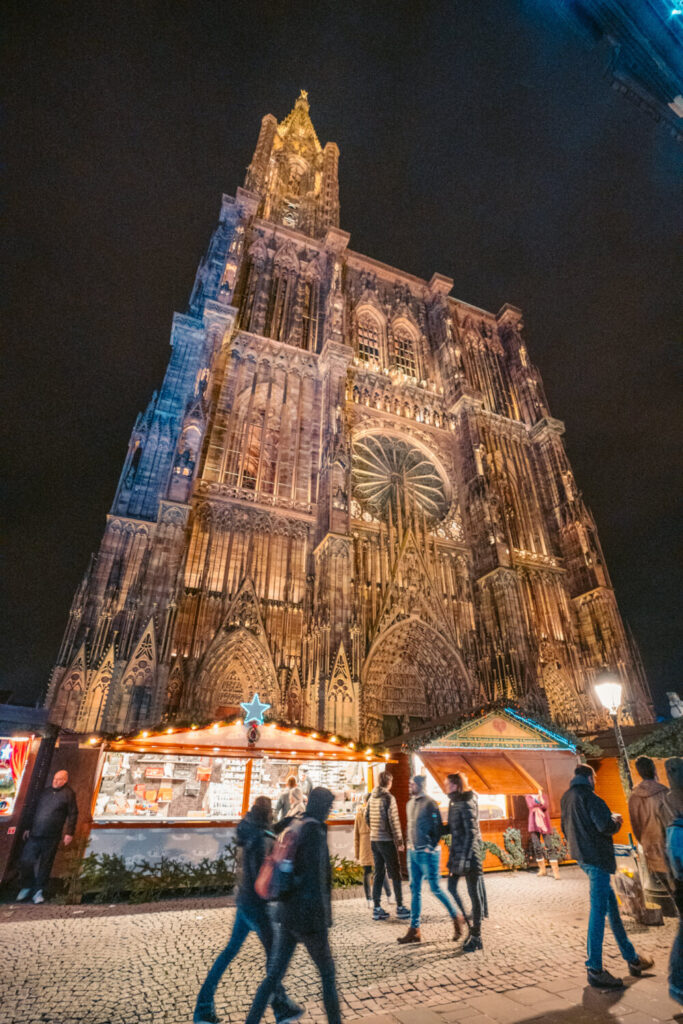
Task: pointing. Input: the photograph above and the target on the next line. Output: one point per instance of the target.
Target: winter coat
(362, 849)
(463, 825)
(588, 824)
(643, 806)
(381, 814)
(55, 807)
(282, 805)
(539, 819)
(309, 908)
(253, 841)
(424, 823)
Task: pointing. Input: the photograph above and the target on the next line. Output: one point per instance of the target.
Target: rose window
(391, 473)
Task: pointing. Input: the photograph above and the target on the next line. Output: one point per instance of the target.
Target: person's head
(319, 803)
(262, 811)
(645, 767)
(291, 782)
(296, 800)
(674, 772)
(584, 771)
(456, 782)
(417, 785)
(385, 780)
(60, 779)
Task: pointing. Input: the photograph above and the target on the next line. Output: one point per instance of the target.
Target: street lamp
(609, 695)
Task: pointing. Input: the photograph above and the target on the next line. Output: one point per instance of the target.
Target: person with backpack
(670, 814)
(305, 910)
(589, 825)
(254, 835)
(386, 842)
(424, 857)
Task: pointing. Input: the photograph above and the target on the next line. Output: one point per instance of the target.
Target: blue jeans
(423, 863)
(247, 919)
(604, 904)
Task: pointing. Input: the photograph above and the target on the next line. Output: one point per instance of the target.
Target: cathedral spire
(295, 176)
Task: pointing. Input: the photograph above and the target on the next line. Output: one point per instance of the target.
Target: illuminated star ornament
(255, 710)
(6, 752)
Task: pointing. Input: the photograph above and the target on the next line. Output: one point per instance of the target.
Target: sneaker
(379, 914)
(603, 979)
(22, 894)
(207, 1016)
(39, 898)
(402, 912)
(642, 963)
(291, 1012)
(472, 944)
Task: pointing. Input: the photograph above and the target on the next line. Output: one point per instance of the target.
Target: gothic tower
(348, 494)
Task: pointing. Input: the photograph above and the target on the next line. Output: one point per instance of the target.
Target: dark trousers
(36, 861)
(318, 946)
(367, 884)
(539, 847)
(386, 863)
(248, 919)
(472, 878)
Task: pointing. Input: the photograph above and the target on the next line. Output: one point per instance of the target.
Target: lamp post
(609, 695)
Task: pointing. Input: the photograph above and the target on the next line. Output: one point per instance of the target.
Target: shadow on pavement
(595, 1008)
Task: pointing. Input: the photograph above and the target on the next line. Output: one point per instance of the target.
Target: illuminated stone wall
(348, 494)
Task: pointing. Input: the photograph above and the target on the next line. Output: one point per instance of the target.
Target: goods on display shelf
(171, 787)
(492, 806)
(347, 780)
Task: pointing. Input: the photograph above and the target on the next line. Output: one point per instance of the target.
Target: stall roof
(500, 730)
(230, 738)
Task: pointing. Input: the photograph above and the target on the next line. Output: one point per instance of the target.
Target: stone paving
(143, 965)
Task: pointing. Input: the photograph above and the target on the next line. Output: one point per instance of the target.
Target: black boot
(472, 943)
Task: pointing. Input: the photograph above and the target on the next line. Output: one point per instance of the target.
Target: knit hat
(419, 781)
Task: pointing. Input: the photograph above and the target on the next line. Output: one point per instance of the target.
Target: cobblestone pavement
(120, 965)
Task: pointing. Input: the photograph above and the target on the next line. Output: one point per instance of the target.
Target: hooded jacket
(308, 909)
(643, 810)
(463, 825)
(588, 824)
(254, 841)
(424, 826)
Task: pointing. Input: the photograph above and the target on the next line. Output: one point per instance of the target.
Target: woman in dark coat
(466, 853)
(306, 915)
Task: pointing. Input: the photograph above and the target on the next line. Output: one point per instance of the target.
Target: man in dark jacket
(253, 837)
(465, 858)
(56, 806)
(306, 915)
(589, 825)
(424, 829)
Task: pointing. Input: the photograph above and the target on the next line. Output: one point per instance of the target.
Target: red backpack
(275, 880)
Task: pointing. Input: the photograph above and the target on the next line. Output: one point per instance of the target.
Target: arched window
(368, 332)
(404, 351)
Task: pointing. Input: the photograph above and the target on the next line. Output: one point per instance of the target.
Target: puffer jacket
(466, 841)
(424, 823)
(381, 814)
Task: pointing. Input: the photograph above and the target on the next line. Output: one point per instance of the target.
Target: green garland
(664, 741)
(512, 840)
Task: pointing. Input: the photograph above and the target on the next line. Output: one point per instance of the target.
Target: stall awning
(488, 772)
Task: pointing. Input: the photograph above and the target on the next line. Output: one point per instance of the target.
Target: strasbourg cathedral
(349, 496)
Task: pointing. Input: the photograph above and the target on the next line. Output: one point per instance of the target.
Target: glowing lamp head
(609, 695)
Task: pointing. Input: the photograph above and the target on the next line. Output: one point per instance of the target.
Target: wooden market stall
(506, 757)
(180, 792)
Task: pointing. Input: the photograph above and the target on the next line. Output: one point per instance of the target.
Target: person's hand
(67, 840)
(401, 847)
(26, 833)
(619, 818)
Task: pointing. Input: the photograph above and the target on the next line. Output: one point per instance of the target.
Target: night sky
(479, 138)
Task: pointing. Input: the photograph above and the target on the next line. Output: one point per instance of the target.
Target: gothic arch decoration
(174, 690)
(564, 702)
(370, 333)
(411, 674)
(404, 346)
(136, 690)
(341, 703)
(295, 710)
(93, 705)
(64, 710)
(236, 665)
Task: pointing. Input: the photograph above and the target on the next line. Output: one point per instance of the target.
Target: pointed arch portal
(412, 674)
(235, 666)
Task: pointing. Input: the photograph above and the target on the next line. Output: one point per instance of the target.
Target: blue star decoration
(6, 752)
(255, 710)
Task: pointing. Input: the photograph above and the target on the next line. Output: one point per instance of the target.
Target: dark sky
(478, 138)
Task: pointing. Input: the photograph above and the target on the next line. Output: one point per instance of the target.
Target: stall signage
(13, 757)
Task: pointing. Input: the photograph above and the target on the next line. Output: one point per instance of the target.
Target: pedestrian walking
(643, 807)
(254, 836)
(424, 831)
(670, 814)
(386, 841)
(306, 915)
(539, 826)
(56, 810)
(362, 851)
(589, 825)
(466, 853)
(282, 805)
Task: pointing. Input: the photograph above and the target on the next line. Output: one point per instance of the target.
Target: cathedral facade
(349, 496)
